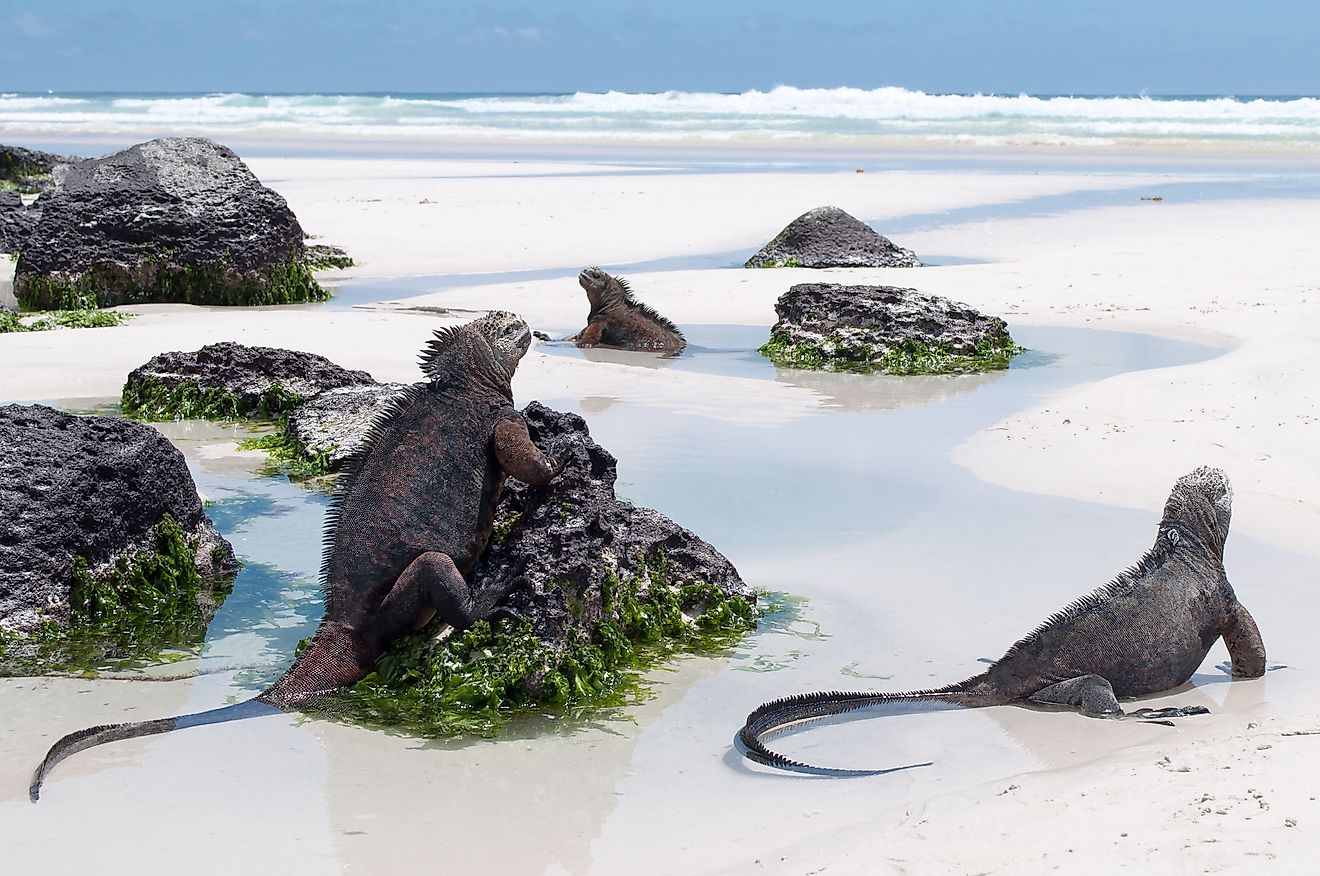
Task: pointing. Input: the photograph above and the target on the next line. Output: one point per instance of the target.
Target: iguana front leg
(1246, 649)
(590, 336)
(519, 457)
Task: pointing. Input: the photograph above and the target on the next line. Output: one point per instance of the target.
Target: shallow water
(911, 570)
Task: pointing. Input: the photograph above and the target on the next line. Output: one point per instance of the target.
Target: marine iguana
(411, 517)
(617, 319)
(1146, 631)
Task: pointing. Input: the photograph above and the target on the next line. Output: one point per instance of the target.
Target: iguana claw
(1158, 716)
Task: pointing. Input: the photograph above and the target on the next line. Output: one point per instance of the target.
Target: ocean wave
(778, 113)
(898, 103)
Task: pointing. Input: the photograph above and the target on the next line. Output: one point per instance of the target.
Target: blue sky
(1060, 46)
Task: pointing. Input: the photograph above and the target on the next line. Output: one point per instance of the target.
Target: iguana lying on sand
(411, 517)
(617, 319)
(1146, 631)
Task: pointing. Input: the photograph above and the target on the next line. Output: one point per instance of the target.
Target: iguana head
(507, 334)
(489, 347)
(596, 283)
(1200, 508)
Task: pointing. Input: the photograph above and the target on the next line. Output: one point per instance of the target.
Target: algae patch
(153, 280)
(288, 455)
(324, 258)
(152, 399)
(143, 605)
(907, 357)
(45, 320)
(476, 681)
(786, 262)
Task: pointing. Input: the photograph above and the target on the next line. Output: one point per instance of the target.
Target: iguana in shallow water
(411, 517)
(1146, 631)
(617, 319)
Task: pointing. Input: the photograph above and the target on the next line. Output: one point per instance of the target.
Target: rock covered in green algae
(229, 381)
(30, 171)
(607, 588)
(179, 219)
(828, 237)
(833, 327)
(105, 549)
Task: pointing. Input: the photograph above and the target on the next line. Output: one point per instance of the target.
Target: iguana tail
(804, 707)
(181, 676)
(334, 659)
(84, 739)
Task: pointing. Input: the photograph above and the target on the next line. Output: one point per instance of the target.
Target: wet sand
(926, 527)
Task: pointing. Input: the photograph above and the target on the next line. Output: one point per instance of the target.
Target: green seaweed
(499, 532)
(288, 455)
(18, 175)
(45, 320)
(25, 183)
(153, 399)
(916, 357)
(154, 280)
(324, 261)
(786, 354)
(476, 681)
(908, 357)
(786, 262)
(147, 603)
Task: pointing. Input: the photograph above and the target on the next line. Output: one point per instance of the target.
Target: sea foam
(779, 113)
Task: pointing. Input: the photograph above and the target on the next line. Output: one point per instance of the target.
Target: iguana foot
(1227, 668)
(491, 602)
(1161, 716)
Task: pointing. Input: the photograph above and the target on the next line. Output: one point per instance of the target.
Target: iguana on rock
(411, 517)
(1146, 631)
(617, 319)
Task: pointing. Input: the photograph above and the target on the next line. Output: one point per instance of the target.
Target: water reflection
(731, 351)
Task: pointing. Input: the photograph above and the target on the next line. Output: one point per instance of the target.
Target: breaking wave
(779, 113)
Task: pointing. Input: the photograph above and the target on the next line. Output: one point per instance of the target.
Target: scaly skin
(1146, 631)
(412, 515)
(617, 319)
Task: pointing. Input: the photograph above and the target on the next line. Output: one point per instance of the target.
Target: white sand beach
(1028, 235)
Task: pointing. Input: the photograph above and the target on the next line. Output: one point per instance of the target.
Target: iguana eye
(1172, 535)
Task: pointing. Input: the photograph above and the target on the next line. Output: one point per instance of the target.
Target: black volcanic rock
(229, 380)
(89, 490)
(566, 540)
(177, 219)
(827, 237)
(16, 221)
(833, 327)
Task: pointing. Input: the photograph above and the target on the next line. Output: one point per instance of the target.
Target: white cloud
(32, 27)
